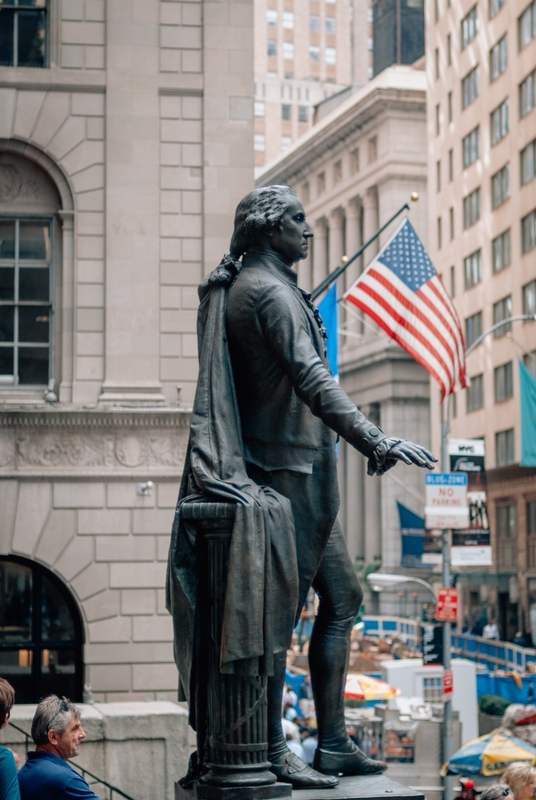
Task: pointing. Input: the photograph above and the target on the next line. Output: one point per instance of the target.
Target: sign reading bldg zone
(446, 500)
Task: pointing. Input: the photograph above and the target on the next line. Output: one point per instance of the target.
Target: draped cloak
(262, 583)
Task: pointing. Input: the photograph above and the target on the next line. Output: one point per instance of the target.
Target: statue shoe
(291, 769)
(353, 763)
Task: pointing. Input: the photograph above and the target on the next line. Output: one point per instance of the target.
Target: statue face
(291, 238)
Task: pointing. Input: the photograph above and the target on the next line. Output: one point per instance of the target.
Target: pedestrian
(499, 791)
(491, 631)
(305, 697)
(9, 785)
(520, 777)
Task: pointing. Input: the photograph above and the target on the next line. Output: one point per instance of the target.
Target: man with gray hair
(57, 733)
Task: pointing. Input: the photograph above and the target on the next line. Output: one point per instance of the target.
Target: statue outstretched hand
(389, 451)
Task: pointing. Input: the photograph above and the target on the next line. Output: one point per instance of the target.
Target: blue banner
(328, 311)
(527, 394)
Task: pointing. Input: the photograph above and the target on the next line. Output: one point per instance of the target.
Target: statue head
(271, 216)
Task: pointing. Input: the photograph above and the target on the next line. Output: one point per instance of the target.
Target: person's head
(56, 727)
(499, 791)
(520, 777)
(7, 699)
(271, 216)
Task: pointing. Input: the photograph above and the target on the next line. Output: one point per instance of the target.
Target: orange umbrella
(362, 687)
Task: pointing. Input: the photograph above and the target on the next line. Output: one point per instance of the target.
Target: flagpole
(447, 706)
(326, 283)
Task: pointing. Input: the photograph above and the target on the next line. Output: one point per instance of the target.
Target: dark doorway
(508, 621)
(41, 633)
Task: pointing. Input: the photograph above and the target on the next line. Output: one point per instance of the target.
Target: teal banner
(527, 394)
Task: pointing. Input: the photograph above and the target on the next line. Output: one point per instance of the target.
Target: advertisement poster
(472, 546)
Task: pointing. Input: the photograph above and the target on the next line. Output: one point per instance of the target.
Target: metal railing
(95, 780)
(409, 630)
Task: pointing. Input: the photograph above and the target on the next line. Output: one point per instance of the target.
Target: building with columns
(352, 171)
(126, 141)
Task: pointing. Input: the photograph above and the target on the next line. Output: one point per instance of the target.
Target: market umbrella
(489, 755)
(362, 687)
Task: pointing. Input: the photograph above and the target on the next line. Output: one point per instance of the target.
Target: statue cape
(262, 584)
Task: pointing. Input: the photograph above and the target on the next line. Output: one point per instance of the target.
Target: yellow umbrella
(489, 755)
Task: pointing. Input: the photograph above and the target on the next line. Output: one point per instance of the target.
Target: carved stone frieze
(71, 443)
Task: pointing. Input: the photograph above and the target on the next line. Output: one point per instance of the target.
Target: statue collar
(272, 262)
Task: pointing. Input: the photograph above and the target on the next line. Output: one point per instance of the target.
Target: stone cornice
(95, 418)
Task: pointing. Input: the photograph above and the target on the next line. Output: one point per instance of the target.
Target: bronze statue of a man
(289, 412)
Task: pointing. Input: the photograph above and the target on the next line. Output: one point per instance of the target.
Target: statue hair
(258, 212)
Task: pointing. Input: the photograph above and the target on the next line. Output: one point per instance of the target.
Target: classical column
(319, 252)
(353, 240)
(336, 238)
(371, 222)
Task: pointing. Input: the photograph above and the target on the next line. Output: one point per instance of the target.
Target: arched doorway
(41, 632)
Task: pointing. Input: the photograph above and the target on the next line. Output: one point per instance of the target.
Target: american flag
(403, 293)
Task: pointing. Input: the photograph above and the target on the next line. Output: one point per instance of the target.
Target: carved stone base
(203, 791)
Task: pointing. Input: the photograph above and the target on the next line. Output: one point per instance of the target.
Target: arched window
(41, 633)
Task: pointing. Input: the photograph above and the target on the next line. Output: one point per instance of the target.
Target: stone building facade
(125, 145)
(352, 171)
(481, 123)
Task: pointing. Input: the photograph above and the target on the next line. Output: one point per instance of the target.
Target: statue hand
(411, 453)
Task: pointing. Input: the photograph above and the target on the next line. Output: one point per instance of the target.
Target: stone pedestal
(235, 706)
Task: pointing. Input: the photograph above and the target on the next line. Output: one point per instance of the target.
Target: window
(526, 25)
(305, 193)
(499, 122)
(529, 298)
(354, 161)
(288, 20)
(41, 634)
(503, 382)
(321, 182)
(528, 232)
(451, 222)
(314, 22)
(437, 62)
(439, 234)
(451, 165)
(472, 269)
(372, 149)
(314, 52)
(494, 7)
(438, 175)
(259, 142)
(432, 690)
(529, 360)
(26, 302)
(504, 454)
(469, 27)
(288, 50)
(258, 109)
(330, 25)
(500, 251)
(473, 328)
(471, 147)
(527, 94)
(286, 112)
(449, 49)
(331, 55)
(498, 58)
(452, 281)
(272, 47)
(475, 393)
(449, 105)
(438, 119)
(531, 532)
(23, 33)
(506, 518)
(286, 141)
(502, 310)
(271, 16)
(470, 90)
(337, 172)
(500, 186)
(436, 10)
(527, 162)
(303, 114)
(471, 208)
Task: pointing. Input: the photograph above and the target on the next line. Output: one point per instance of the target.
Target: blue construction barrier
(487, 683)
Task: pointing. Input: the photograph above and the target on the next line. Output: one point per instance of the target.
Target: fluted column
(336, 238)
(319, 252)
(371, 222)
(353, 241)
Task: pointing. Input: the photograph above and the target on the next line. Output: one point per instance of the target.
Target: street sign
(448, 683)
(447, 605)
(432, 645)
(446, 501)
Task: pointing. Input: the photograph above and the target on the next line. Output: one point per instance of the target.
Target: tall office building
(398, 32)
(481, 129)
(304, 53)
